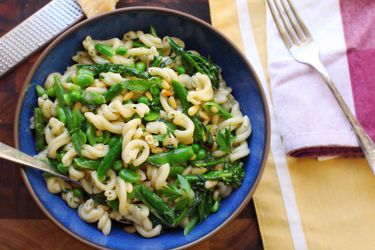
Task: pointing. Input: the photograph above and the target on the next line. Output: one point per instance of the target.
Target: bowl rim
(184, 15)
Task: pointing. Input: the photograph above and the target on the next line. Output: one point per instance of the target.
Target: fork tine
(279, 24)
(299, 20)
(287, 22)
(292, 19)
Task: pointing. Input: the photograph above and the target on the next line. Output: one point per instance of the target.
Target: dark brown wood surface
(22, 224)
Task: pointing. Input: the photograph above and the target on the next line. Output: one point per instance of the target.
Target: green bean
(179, 155)
(59, 156)
(115, 146)
(84, 77)
(90, 134)
(212, 163)
(104, 49)
(106, 137)
(156, 205)
(209, 106)
(59, 91)
(193, 221)
(40, 142)
(86, 164)
(151, 116)
(156, 61)
(181, 93)
(129, 175)
(40, 90)
(78, 140)
(140, 66)
(61, 115)
(121, 50)
(175, 170)
(113, 91)
(139, 45)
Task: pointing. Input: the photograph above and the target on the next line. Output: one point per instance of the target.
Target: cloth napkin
(310, 120)
(303, 203)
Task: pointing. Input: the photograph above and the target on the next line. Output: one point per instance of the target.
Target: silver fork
(304, 49)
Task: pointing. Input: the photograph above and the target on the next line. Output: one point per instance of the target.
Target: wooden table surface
(22, 223)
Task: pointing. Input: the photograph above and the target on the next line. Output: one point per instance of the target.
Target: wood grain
(22, 223)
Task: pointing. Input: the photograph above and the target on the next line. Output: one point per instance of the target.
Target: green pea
(61, 116)
(117, 166)
(84, 77)
(140, 66)
(129, 175)
(121, 50)
(104, 49)
(77, 192)
(40, 90)
(181, 70)
(51, 92)
(62, 169)
(201, 154)
(152, 116)
(195, 147)
(143, 99)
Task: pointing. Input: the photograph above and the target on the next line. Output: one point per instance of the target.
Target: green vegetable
(93, 98)
(151, 116)
(129, 175)
(153, 31)
(121, 50)
(113, 91)
(40, 90)
(156, 205)
(201, 154)
(215, 207)
(197, 63)
(137, 85)
(115, 68)
(78, 139)
(207, 164)
(232, 173)
(61, 115)
(40, 142)
(179, 155)
(156, 61)
(51, 93)
(181, 70)
(59, 91)
(114, 204)
(181, 93)
(139, 45)
(174, 192)
(117, 166)
(224, 140)
(221, 111)
(108, 160)
(84, 77)
(90, 134)
(106, 137)
(174, 170)
(86, 164)
(59, 156)
(165, 62)
(104, 49)
(193, 221)
(140, 66)
(143, 99)
(77, 192)
(62, 169)
(195, 147)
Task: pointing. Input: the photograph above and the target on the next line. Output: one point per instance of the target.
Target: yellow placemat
(300, 203)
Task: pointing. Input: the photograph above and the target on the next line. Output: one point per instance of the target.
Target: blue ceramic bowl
(197, 35)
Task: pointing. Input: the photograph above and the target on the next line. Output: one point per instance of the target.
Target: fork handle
(365, 141)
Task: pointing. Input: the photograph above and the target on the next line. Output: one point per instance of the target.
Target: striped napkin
(310, 120)
(304, 203)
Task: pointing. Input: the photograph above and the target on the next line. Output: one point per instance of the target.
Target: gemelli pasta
(149, 129)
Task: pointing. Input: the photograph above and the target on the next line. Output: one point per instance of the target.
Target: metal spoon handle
(14, 155)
